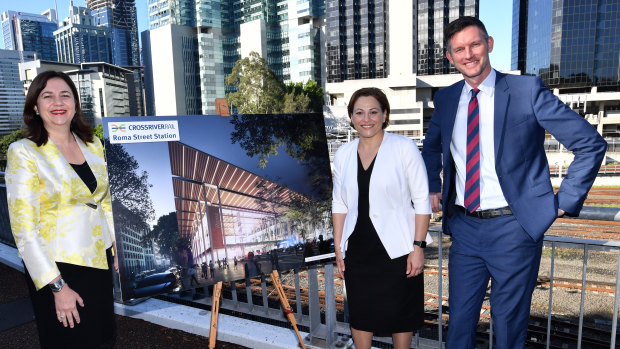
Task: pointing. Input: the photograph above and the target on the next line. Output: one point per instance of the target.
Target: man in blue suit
(497, 195)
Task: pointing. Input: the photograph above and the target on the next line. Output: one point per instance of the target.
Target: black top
(364, 244)
(86, 175)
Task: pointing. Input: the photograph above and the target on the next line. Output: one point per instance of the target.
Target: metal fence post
(313, 302)
(298, 295)
(440, 289)
(583, 293)
(550, 294)
(263, 285)
(248, 292)
(614, 322)
(330, 305)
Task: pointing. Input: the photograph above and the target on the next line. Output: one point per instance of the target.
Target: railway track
(563, 334)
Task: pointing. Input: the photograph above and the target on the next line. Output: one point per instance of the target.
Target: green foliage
(6, 140)
(166, 235)
(259, 91)
(99, 132)
(310, 93)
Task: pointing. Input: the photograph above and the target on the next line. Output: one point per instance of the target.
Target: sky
(496, 15)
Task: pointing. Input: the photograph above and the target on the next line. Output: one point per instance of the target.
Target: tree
(304, 97)
(6, 141)
(258, 89)
(98, 132)
(166, 235)
(128, 187)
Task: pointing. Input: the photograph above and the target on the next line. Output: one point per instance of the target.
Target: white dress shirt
(491, 195)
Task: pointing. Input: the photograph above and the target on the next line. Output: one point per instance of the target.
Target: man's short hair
(459, 24)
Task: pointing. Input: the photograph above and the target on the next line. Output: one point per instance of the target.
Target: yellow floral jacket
(54, 216)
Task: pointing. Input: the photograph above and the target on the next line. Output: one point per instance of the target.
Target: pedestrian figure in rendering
(212, 267)
(205, 270)
(251, 267)
(192, 274)
(235, 261)
(381, 212)
(497, 195)
(61, 217)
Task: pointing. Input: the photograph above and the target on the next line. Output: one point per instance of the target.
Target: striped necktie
(472, 178)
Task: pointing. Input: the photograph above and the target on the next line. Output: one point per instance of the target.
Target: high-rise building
(569, 44)
(359, 33)
(286, 33)
(172, 75)
(120, 17)
(12, 96)
(432, 17)
(574, 47)
(396, 45)
(30, 32)
(80, 40)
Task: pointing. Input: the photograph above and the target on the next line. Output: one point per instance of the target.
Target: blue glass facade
(568, 43)
(356, 39)
(120, 17)
(29, 32)
(433, 17)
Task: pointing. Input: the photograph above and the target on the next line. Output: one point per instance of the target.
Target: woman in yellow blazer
(61, 218)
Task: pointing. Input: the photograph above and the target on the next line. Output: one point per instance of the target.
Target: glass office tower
(79, 40)
(357, 36)
(286, 33)
(120, 17)
(30, 32)
(433, 17)
(569, 44)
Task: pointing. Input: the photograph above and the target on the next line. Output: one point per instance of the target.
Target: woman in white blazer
(61, 218)
(381, 212)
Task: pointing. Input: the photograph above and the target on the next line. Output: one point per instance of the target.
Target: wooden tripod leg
(287, 308)
(215, 310)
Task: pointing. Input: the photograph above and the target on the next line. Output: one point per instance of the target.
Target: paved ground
(131, 333)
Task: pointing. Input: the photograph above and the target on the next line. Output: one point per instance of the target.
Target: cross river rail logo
(144, 131)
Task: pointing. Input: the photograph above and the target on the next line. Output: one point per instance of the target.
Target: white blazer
(398, 179)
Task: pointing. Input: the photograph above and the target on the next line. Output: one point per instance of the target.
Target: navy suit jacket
(524, 109)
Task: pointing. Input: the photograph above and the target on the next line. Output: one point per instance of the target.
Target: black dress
(381, 298)
(96, 327)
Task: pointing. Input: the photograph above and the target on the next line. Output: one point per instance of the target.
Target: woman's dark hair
(35, 130)
(459, 24)
(371, 92)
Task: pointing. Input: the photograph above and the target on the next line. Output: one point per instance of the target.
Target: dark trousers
(497, 249)
(96, 328)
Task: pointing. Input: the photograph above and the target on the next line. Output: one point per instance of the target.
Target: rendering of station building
(227, 211)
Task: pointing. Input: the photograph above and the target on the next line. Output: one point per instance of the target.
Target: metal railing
(321, 321)
(325, 331)
(553, 146)
(604, 170)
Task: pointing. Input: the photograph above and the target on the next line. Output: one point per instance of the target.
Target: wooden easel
(275, 278)
(215, 310)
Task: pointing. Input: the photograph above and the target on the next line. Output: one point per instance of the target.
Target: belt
(492, 213)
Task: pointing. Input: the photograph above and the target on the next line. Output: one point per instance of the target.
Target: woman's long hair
(35, 130)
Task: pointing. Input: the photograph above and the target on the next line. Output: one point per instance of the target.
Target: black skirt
(96, 327)
(381, 298)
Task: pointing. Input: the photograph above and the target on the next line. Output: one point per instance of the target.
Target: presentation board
(203, 198)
